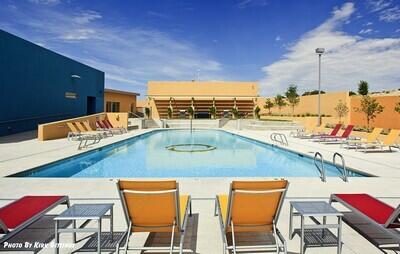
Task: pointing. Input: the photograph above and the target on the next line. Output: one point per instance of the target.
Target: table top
(85, 211)
(315, 208)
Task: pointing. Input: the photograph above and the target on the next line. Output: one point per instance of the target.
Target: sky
(268, 41)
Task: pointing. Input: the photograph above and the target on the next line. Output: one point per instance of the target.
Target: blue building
(38, 86)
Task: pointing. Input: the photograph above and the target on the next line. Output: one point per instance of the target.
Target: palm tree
(280, 101)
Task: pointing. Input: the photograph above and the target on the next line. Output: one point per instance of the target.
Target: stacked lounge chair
(333, 139)
(374, 220)
(390, 141)
(319, 133)
(371, 137)
(252, 207)
(106, 126)
(83, 137)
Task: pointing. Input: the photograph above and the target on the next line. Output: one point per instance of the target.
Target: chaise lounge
(21, 213)
(252, 207)
(374, 220)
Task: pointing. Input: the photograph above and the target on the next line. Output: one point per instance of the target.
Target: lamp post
(319, 51)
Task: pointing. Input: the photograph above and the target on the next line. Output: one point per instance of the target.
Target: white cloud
(366, 31)
(79, 34)
(130, 56)
(45, 2)
(86, 17)
(278, 38)
(368, 24)
(348, 59)
(390, 14)
(251, 3)
(378, 5)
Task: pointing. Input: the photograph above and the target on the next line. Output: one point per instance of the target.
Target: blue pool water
(147, 156)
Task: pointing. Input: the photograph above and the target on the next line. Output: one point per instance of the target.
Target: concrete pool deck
(204, 233)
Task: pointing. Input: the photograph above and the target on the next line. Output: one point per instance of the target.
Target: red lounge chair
(109, 126)
(376, 221)
(333, 133)
(19, 214)
(345, 135)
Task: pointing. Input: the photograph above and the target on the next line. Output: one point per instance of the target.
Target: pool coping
(118, 142)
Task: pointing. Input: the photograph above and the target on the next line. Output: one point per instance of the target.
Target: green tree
(147, 112)
(170, 112)
(213, 111)
(397, 107)
(256, 112)
(370, 107)
(313, 92)
(292, 96)
(268, 105)
(363, 87)
(280, 101)
(341, 110)
(351, 93)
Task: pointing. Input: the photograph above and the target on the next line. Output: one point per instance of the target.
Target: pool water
(181, 153)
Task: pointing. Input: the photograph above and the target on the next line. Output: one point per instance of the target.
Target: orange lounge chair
(252, 207)
(390, 141)
(154, 206)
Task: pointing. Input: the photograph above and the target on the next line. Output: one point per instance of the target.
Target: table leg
(56, 238)
(74, 234)
(291, 223)
(112, 223)
(339, 250)
(99, 236)
(323, 222)
(302, 236)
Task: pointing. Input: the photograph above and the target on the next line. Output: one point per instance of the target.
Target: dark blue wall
(33, 83)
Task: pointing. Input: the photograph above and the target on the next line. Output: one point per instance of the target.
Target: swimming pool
(181, 153)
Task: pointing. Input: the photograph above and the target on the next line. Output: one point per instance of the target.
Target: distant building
(119, 101)
(38, 86)
(180, 95)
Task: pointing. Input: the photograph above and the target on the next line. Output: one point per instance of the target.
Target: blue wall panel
(33, 83)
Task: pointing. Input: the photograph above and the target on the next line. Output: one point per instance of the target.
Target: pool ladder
(279, 138)
(343, 171)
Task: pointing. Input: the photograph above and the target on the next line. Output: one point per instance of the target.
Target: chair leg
(233, 239)
(171, 250)
(181, 242)
(127, 238)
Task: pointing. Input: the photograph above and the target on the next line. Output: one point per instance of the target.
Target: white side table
(316, 234)
(85, 212)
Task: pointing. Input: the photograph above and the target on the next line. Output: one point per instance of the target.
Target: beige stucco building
(180, 95)
(119, 101)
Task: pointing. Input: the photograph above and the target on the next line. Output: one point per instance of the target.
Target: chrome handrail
(343, 170)
(282, 138)
(322, 168)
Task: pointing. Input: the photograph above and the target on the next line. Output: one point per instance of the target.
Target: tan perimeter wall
(309, 104)
(201, 88)
(59, 129)
(389, 118)
(126, 101)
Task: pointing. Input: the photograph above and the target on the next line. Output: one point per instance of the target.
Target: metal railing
(343, 169)
(318, 156)
(279, 138)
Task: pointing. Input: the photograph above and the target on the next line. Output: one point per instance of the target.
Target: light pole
(319, 51)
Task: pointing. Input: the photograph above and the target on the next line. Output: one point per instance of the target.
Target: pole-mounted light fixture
(319, 51)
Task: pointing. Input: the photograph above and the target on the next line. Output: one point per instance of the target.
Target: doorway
(91, 105)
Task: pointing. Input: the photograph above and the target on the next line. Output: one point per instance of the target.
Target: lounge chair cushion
(223, 204)
(369, 206)
(183, 202)
(23, 209)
